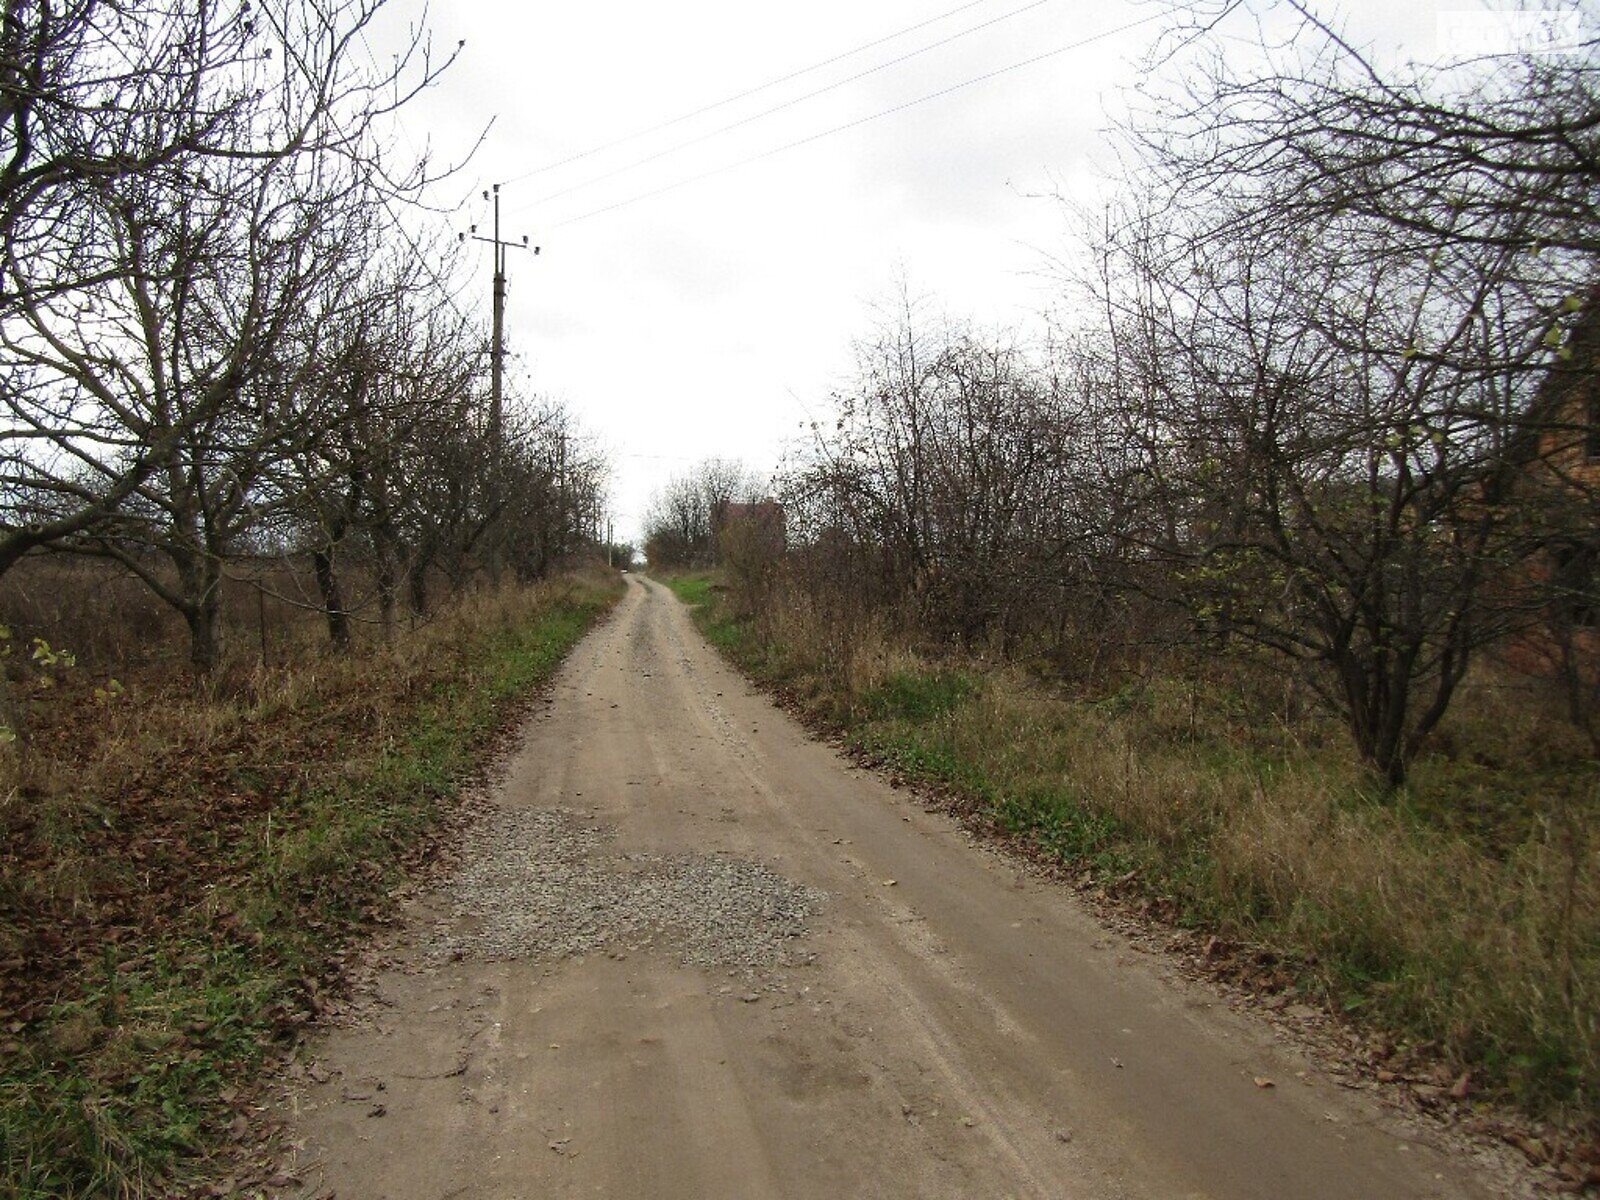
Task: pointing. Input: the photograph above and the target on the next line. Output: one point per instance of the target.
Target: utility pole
(561, 485)
(497, 349)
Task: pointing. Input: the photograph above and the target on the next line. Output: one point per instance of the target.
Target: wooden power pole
(497, 347)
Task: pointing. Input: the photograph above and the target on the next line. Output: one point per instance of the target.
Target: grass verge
(1462, 916)
(181, 873)
(700, 592)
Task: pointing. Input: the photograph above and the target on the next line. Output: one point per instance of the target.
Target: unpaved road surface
(694, 953)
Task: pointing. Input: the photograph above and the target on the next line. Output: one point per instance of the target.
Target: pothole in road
(542, 884)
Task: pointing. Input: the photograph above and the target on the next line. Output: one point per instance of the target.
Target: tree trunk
(417, 584)
(388, 585)
(199, 599)
(386, 547)
(332, 599)
(204, 619)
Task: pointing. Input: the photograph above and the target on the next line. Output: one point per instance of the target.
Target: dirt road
(694, 953)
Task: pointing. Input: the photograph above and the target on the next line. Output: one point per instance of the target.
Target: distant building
(1559, 469)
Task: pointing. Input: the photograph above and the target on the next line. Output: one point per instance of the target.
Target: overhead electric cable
(748, 92)
(817, 137)
(767, 112)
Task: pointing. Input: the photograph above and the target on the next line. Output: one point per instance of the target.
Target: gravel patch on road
(544, 884)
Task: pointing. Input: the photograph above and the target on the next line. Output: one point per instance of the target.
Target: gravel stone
(546, 884)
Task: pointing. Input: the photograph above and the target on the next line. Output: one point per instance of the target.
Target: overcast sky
(713, 317)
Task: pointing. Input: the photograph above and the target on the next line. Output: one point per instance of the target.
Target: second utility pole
(497, 348)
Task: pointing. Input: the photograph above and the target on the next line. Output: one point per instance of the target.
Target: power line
(759, 88)
(816, 137)
(767, 112)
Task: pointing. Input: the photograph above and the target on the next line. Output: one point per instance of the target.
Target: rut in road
(693, 953)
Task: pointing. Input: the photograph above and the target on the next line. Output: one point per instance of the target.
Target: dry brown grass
(114, 624)
(96, 776)
(1482, 939)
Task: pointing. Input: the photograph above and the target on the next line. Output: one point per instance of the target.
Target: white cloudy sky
(711, 318)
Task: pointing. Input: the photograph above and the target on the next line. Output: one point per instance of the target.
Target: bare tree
(393, 361)
(951, 465)
(131, 135)
(1326, 334)
(1323, 452)
(93, 93)
(554, 488)
(1440, 150)
(226, 340)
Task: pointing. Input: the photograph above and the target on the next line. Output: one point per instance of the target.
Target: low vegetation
(180, 867)
(1461, 912)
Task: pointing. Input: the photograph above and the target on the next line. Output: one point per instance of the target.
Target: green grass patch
(693, 590)
(699, 591)
(917, 696)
